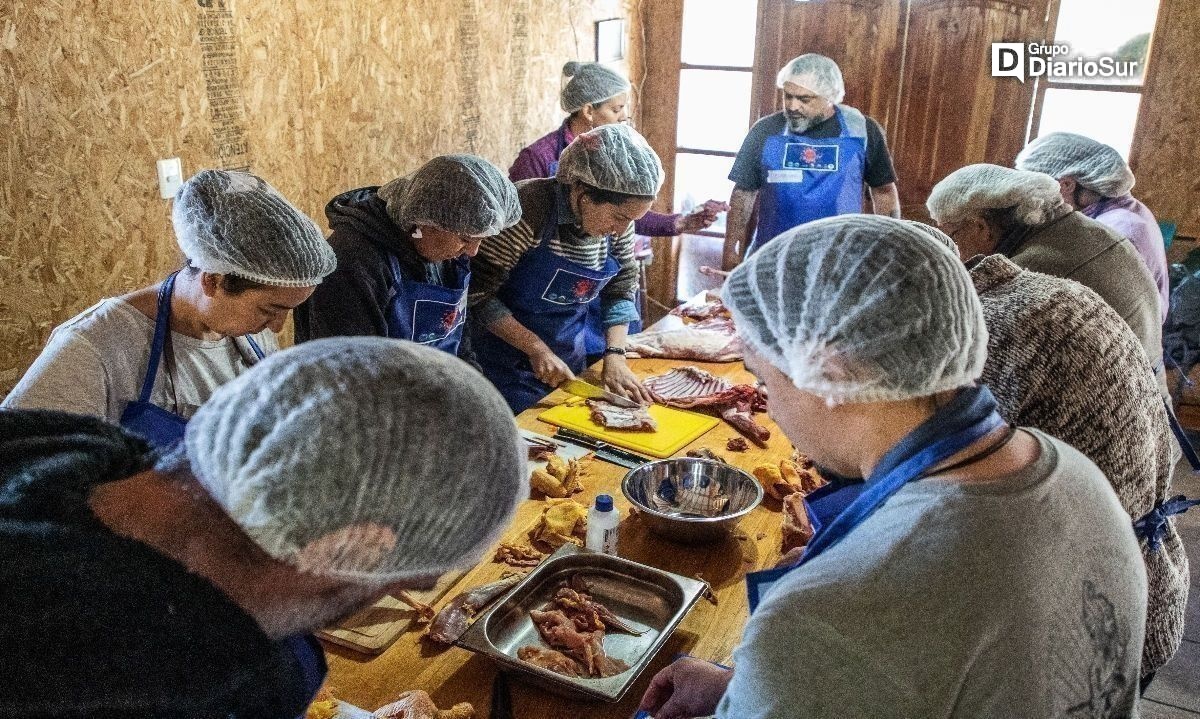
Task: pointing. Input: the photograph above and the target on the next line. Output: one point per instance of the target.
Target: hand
(548, 368)
(618, 378)
(701, 217)
(690, 687)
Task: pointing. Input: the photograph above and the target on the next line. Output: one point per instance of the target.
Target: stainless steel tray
(647, 598)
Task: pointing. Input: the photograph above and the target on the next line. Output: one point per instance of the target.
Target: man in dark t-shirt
(807, 162)
(188, 585)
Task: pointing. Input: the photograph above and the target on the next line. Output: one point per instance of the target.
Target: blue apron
(810, 179)
(426, 313)
(311, 658)
(969, 416)
(160, 427)
(549, 295)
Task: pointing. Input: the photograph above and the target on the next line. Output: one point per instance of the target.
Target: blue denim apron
(549, 295)
(970, 415)
(160, 427)
(810, 179)
(426, 313)
(311, 658)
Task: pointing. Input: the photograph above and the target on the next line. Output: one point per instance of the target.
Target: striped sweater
(1060, 359)
(500, 254)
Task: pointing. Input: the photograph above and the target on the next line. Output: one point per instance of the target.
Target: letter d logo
(1008, 60)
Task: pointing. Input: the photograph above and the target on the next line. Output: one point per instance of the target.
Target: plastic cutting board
(677, 428)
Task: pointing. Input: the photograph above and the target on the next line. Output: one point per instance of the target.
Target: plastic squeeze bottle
(602, 524)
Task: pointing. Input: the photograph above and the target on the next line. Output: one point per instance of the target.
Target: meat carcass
(712, 340)
(694, 388)
(610, 415)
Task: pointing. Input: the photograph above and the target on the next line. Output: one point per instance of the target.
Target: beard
(800, 123)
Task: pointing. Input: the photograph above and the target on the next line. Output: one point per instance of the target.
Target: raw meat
(551, 659)
(713, 340)
(693, 388)
(713, 307)
(452, 620)
(518, 555)
(609, 415)
(797, 530)
(736, 444)
(587, 648)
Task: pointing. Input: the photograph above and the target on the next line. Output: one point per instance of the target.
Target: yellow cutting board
(676, 428)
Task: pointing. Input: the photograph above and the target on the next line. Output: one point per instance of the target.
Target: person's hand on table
(689, 687)
(549, 368)
(700, 218)
(618, 378)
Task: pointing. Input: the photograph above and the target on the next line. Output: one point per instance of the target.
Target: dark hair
(608, 197)
(231, 284)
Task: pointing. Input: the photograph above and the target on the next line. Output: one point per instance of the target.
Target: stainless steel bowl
(689, 499)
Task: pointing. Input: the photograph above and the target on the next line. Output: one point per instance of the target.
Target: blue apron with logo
(160, 427)
(549, 295)
(810, 179)
(426, 313)
(970, 415)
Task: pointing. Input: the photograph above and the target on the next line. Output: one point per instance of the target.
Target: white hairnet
(614, 158)
(463, 194)
(969, 191)
(935, 234)
(860, 308)
(1093, 164)
(234, 223)
(817, 73)
(590, 83)
(365, 458)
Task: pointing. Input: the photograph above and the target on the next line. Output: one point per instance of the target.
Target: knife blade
(579, 388)
(602, 449)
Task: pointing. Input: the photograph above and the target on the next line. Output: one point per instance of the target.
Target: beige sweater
(1094, 255)
(1061, 360)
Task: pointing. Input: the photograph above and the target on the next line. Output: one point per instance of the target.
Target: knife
(579, 388)
(603, 450)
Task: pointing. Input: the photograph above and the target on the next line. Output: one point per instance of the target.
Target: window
(715, 85)
(1102, 107)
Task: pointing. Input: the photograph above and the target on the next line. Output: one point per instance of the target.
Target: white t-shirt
(95, 362)
(1021, 597)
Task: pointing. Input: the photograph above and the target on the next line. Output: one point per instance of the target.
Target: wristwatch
(611, 350)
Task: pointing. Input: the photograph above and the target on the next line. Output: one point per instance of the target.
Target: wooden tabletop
(453, 675)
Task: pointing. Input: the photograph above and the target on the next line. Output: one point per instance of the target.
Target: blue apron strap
(1153, 525)
(162, 325)
(1185, 444)
(258, 352)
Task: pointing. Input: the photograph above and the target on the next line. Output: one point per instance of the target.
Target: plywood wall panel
(1168, 135)
(331, 96)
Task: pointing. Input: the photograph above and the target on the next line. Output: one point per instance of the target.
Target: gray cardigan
(1060, 360)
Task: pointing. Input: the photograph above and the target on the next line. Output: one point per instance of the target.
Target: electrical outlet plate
(170, 177)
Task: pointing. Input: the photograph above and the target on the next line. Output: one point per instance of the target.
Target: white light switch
(170, 177)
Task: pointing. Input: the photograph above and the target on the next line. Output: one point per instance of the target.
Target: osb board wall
(1168, 136)
(327, 96)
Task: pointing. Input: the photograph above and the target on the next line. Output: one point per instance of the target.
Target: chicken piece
(772, 481)
(706, 453)
(551, 659)
(455, 616)
(737, 444)
(424, 611)
(559, 632)
(570, 481)
(562, 521)
(610, 415)
(797, 530)
(556, 467)
(518, 555)
(547, 484)
(597, 615)
(417, 704)
(323, 706)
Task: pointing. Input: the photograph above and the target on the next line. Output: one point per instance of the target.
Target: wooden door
(952, 112)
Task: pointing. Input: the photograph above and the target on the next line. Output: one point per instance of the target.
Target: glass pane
(699, 178)
(714, 109)
(719, 32)
(698, 250)
(1108, 117)
(1119, 29)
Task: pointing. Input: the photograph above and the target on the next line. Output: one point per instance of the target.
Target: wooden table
(454, 675)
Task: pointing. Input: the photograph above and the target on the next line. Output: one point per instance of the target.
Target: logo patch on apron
(434, 320)
(803, 156)
(568, 288)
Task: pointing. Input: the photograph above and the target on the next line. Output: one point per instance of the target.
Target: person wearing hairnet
(989, 209)
(189, 584)
(942, 589)
(1095, 180)
(597, 95)
(404, 253)
(150, 358)
(808, 161)
(574, 243)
